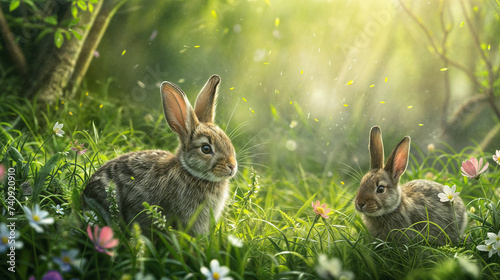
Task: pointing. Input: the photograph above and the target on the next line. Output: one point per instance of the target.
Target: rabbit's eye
(380, 189)
(206, 149)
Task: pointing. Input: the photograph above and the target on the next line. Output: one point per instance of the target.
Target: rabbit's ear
(376, 148)
(398, 160)
(177, 109)
(205, 103)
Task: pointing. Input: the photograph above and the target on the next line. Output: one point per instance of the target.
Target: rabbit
(387, 206)
(194, 179)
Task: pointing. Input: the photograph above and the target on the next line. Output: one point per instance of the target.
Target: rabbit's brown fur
(388, 207)
(180, 183)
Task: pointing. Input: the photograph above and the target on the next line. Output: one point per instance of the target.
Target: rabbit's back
(158, 178)
(420, 203)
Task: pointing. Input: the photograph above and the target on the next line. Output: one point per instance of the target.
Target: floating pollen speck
(70, 113)
(87, 93)
(345, 105)
(420, 124)
(386, 78)
(266, 63)
(123, 52)
(214, 13)
(443, 69)
(291, 103)
(382, 102)
(244, 99)
(316, 120)
(301, 72)
(350, 82)
(462, 24)
(409, 107)
(132, 177)
(100, 106)
(277, 22)
(196, 46)
(231, 88)
(342, 182)
(372, 85)
(489, 46)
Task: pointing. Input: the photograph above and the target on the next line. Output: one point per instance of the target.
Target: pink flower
(103, 239)
(2, 172)
(320, 210)
(472, 169)
(79, 149)
(496, 156)
(52, 275)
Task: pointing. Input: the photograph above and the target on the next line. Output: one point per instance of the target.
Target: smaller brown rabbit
(390, 209)
(193, 182)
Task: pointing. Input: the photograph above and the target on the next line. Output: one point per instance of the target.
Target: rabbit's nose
(361, 205)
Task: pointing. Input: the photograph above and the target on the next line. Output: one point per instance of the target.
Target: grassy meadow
(268, 230)
(302, 82)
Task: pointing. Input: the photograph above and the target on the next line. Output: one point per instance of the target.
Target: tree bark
(55, 70)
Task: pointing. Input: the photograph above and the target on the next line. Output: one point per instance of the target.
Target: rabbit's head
(205, 151)
(379, 192)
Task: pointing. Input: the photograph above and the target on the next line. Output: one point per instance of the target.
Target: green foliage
(39, 18)
(269, 230)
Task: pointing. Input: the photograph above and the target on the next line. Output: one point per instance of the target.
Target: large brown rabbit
(386, 206)
(194, 178)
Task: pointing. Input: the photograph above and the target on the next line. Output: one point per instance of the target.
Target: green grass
(269, 209)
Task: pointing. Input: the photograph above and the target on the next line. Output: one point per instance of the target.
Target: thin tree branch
(447, 86)
(427, 32)
(10, 45)
(478, 45)
(90, 45)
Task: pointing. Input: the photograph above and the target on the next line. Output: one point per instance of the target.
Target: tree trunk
(97, 31)
(55, 70)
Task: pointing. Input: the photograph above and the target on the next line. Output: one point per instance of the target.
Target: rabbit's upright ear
(205, 104)
(398, 160)
(376, 148)
(177, 109)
